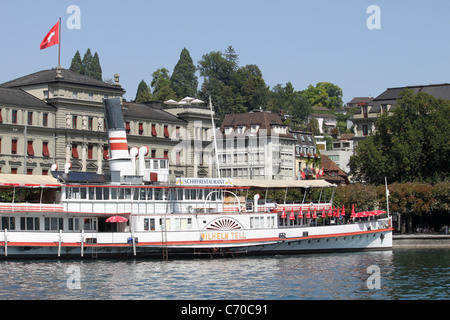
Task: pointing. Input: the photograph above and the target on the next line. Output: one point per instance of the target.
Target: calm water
(403, 274)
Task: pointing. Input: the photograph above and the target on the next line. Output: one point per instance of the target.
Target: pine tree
(76, 65)
(143, 92)
(87, 63)
(184, 80)
(96, 69)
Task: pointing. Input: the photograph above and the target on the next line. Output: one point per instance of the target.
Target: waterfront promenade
(421, 240)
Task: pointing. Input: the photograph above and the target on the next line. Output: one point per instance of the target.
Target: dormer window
(228, 130)
(240, 129)
(254, 128)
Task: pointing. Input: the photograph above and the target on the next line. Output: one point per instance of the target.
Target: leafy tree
(324, 94)
(184, 80)
(143, 92)
(411, 144)
(76, 64)
(162, 85)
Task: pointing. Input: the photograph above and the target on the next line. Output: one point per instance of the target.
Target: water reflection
(404, 274)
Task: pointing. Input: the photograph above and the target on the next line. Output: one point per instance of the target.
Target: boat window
(163, 164)
(53, 224)
(158, 194)
(143, 194)
(74, 224)
(113, 193)
(200, 194)
(8, 223)
(105, 193)
(155, 164)
(90, 224)
(146, 224)
(83, 193)
(91, 193)
(149, 194)
(29, 223)
(136, 194)
(180, 194)
(189, 223)
(99, 193)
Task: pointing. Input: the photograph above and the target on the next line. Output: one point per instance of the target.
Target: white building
(256, 145)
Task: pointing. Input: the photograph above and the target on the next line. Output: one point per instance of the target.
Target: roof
(149, 112)
(265, 120)
(390, 95)
(49, 76)
(31, 181)
(253, 183)
(346, 136)
(21, 98)
(323, 115)
(360, 100)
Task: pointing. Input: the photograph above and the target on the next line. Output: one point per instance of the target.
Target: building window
(91, 96)
(89, 153)
(45, 120)
(178, 158)
(365, 111)
(105, 152)
(30, 171)
(30, 118)
(74, 151)
(1, 118)
(153, 154)
(154, 130)
(14, 146)
(166, 131)
(90, 121)
(365, 130)
(127, 127)
(13, 170)
(141, 128)
(14, 116)
(74, 94)
(30, 150)
(177, 132)
(166, 154)
(74, 122)
(45, 94)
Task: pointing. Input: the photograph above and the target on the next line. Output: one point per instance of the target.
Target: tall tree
(143, 92)
(184, 80)
(162, 85)
(87, 63)
(76, 64)
(96, 69)
(410, 144)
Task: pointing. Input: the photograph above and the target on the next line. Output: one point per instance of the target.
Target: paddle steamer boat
(135, 212)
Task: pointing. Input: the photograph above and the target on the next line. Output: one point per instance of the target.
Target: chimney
(119, 159)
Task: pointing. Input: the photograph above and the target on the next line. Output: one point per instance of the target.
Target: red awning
(45, 151)
(74, 151)
(30, 150)
(166, 131)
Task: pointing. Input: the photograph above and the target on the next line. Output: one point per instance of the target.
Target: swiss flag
(51, 38)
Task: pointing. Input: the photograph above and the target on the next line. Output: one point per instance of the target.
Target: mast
(59, 41)
(215, 140)
(387, 196)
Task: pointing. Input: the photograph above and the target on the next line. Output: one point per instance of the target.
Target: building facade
(256, 145)
(56, 116)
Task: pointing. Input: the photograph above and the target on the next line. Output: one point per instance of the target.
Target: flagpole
(59, 40)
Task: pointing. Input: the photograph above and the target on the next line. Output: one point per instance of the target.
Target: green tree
(324, 94)
(96, 69)
(162, 85)
(184, 80)
(143, 92)
(76, 65)
(87, 63)
(411, 144)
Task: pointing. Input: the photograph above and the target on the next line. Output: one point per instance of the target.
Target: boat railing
(30, 207)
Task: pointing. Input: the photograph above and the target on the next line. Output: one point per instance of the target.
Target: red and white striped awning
(28, 181)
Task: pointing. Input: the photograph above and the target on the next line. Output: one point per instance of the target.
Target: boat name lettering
(230, 235)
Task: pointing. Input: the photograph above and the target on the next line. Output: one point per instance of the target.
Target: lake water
(397, 274)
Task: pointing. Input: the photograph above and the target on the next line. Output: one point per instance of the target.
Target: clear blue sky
(304, 42)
